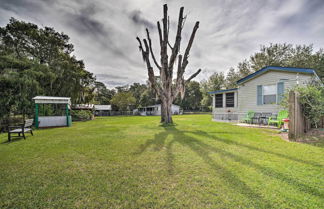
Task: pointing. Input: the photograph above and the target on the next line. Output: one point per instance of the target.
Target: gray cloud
(84, 22)
(103, 32)
(138, 18)
(104, 76)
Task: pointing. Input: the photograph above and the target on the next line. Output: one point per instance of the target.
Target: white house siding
(247, 92)
(175, 109)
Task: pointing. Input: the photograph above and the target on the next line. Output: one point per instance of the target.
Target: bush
(81, 115)
(311, 98)
(312, 102)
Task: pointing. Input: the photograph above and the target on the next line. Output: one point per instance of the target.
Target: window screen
(269, 94)
(219, 100)
(230, 100)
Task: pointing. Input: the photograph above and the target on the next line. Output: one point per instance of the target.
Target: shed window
(269, 94)
(219, 100)
(230, 100)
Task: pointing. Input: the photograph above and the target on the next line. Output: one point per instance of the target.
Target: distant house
(102, 110)
(261, 91)
(82, 107)
(155, 110)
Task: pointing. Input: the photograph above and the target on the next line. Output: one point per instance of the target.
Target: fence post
(291, 107)
(297, 123)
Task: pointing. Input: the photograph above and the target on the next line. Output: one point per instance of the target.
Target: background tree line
(39, 61)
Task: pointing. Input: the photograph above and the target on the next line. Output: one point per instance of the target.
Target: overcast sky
(103, 31)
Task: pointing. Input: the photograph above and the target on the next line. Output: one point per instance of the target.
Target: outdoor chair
(256, 117)
(264, 118)
(248, 117)
(278, 120)
(21, 129)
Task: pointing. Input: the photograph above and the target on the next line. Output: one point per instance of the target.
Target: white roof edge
(52, 98)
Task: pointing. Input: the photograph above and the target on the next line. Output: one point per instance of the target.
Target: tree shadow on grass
(203, 150)
(264, 170)
(228, 141)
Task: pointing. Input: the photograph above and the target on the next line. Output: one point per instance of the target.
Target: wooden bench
(21, 129)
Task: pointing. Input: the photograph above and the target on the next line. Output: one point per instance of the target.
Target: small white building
(102, 110)
(155, 110)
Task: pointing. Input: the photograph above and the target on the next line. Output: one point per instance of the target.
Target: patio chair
(256, 117)
(278, 120)
(21, 129)
(265, 117)
(248, 117)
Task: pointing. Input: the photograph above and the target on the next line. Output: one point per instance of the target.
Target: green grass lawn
(133, 162)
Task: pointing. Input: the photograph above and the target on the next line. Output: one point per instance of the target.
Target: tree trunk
(166, 111)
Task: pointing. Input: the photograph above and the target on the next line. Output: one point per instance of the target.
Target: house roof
(222, 91)
(285, 69)
(51, 100)
(157, 105)
(83, 106)
(102, 107)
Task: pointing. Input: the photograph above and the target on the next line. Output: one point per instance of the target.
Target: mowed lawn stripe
(134, 162)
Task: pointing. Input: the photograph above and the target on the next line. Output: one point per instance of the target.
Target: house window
(230, 100)
(219, 100)
(269, 94)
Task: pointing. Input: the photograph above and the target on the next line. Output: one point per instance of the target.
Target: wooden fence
(298, 124)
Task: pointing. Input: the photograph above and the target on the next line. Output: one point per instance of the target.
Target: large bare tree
(166, 89)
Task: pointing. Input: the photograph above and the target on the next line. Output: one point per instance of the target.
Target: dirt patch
(313, 136)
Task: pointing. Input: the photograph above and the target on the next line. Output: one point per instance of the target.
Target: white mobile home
(155, 110)
(102, 110)
(261, 91)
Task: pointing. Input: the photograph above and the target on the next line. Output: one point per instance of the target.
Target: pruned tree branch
(184, 21)
(168, 33)
(145, 55)
(170, 45)
(160, 33)
(193, 76)
(176, 46)
(164, 51)
(179, 72)
(192, 37)
(151, 50)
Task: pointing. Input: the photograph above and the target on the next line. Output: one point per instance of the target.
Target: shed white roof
(102, 107)
(52, 100)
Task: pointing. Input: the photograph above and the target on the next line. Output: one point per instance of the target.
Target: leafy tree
(102, 94)
(147, 98)
(28, 40)
(285, 55)
(137, 90)
(123, 100)
(19, 84)
(192, 98)
(35, 61)
(215, 82)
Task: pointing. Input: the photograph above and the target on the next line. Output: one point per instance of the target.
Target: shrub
(81, 115)
(311, 98)
(312, 102)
